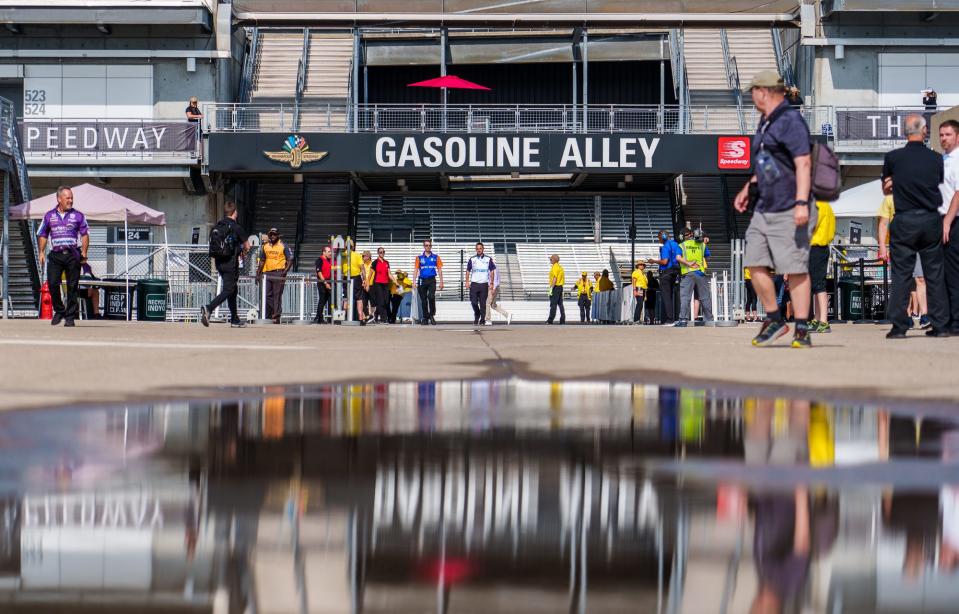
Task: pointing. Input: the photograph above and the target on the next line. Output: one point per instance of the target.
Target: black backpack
(825, 176)
(222, 241)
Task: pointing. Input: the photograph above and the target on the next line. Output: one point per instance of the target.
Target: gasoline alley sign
(468, 153)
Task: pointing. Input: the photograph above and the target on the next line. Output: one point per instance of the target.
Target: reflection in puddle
(480, 496)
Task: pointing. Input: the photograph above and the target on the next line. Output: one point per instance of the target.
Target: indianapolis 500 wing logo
(296, 152)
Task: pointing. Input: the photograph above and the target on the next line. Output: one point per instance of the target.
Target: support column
(597, 219)
(585, 79)
(444, 39)
(356, 79)
(7, 305)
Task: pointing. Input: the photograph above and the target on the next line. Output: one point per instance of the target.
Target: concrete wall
(183, 211)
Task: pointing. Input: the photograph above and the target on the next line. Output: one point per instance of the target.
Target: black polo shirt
(916, 173)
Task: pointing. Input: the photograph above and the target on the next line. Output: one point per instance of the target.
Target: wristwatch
(804, 203)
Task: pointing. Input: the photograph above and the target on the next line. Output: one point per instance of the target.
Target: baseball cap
(766, 78)
(584, 273)
(273, 231)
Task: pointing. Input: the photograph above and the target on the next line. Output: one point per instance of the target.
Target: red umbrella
(449, 82)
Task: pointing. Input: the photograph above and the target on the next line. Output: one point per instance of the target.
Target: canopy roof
(97, 204)
(860, 201)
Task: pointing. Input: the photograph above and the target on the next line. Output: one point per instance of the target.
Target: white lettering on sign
(94, 510)
(471, 152)
(600, 153)
(499, 497)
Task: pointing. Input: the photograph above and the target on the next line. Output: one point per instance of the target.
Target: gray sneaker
(205, 316)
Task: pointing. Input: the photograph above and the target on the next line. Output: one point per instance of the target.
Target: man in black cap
(276, 259)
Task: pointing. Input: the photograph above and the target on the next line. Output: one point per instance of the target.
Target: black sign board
(135, 234)
(872, 125)
(63, 137)
(404, 153)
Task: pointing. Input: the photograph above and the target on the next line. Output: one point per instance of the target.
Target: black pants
(322, 300)
(478, 295)
(275, 282)
(638, 308)
(380, 295)
(229, 275)
(917, 233)
(951, 254)
(669, 287)
(59, 263)
(556, 300)
(395, 301)
(427, 292)
(750, 305)
(584, 307)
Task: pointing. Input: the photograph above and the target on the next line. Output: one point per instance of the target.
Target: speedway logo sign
(431, 153)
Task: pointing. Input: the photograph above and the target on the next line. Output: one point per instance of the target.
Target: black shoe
(801, 338)
(69, 322)
(896, 334)
(205, 316)
(770, 331)
(57, 318)
(432, 321)
(938, 334)
(237, 324)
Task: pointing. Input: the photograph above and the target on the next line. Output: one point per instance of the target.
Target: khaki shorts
(773, 240)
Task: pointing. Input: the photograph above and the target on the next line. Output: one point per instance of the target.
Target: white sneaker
(509, 319)
(489, 323)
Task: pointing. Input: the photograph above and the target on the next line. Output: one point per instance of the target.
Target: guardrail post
(219, 288)
(516, 117)
(837, 299)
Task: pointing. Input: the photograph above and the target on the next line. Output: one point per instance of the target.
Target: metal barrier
(237, 117)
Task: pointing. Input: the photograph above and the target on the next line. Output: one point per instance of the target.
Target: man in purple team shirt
(67, 232)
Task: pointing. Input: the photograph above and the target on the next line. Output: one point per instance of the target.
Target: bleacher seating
(534, 261)
(530, 219)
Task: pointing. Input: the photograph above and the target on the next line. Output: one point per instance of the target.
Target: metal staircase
(329, 65)
(24, 269)
(276, 65)
(708, 201)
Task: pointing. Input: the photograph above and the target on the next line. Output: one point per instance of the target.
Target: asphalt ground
(104, 361)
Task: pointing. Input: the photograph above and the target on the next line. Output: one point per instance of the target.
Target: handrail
(782, 57)
(301, 78)
(245, 87)
(732, 77)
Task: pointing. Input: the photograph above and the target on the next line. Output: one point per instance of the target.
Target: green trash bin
(850, 295)
(152, 300)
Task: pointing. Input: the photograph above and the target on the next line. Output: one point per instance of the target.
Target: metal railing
(732, 77)
(245, 88)
(491, 119)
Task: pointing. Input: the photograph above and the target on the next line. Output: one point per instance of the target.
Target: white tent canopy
(860, 201)
(96, 204)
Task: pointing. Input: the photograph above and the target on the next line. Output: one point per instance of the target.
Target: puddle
(480, 496)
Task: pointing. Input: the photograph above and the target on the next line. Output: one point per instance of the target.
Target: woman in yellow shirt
(749, 309)
(368, 273)
(584, 296)
(639, 290)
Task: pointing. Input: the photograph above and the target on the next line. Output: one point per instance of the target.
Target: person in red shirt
(324, 283)
(380, 288)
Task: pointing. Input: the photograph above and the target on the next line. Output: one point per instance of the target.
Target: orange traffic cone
(46, 302)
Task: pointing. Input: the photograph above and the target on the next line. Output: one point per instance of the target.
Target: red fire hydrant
(46, 302)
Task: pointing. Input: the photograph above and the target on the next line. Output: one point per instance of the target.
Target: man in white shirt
(478, 271)
(949, 140)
